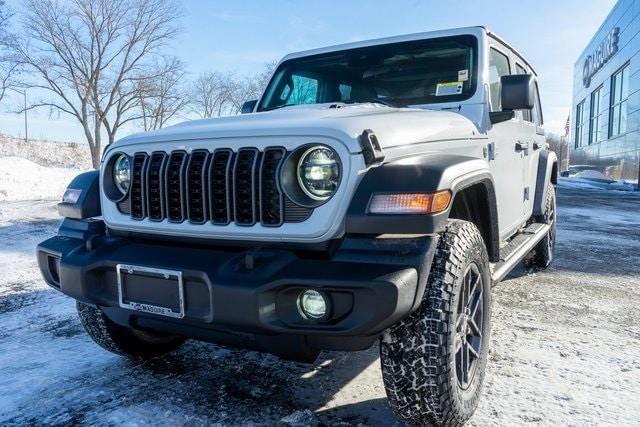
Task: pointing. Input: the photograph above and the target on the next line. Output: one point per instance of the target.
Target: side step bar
(517, 249)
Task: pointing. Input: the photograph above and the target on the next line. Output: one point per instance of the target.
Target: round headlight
(121, 173)
(319, 172)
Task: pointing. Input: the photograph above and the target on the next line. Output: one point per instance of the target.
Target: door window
(537, 108)
(498, 67)
(526, 114)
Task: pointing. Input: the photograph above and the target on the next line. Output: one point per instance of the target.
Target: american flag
(566, 127)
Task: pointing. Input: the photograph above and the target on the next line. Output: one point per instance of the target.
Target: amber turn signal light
(411, 203)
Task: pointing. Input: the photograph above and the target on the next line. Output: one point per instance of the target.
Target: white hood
(393, 126)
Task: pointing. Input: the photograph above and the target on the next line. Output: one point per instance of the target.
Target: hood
(393, 126)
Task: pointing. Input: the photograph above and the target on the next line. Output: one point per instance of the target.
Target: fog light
(313, 304)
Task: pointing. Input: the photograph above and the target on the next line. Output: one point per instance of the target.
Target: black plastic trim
(181, 185)
(203, 186)
(88, 203)
(161, 185)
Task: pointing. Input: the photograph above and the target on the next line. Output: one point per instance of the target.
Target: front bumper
(247, 297)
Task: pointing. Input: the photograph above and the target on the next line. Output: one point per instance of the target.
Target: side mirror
(518, 92)
(248, 106)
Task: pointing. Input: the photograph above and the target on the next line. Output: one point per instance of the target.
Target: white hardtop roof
(477, 31)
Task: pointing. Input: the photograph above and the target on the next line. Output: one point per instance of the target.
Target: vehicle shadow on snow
(202, 384)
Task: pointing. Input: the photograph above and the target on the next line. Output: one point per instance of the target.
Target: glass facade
(595, 113)
(606, 96)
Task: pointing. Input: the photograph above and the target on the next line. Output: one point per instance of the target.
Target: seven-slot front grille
(219, 187)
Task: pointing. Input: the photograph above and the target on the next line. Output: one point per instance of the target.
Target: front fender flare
(426, 173)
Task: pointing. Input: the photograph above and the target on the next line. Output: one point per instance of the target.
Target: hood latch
(371, 149)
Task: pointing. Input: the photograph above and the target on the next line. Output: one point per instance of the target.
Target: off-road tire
(117, 339)
(418, 355)
(543, 252)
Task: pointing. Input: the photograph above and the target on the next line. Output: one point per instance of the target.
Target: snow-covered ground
(565, 346)
(22, 179)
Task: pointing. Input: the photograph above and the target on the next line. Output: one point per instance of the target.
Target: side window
(537, 109)
(498, 67)
(299, 90)
(526, 114)
(345, 92)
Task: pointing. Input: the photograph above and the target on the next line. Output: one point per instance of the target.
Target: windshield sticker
(463, 75)
(449, 88)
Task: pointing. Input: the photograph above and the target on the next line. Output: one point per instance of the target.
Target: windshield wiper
(275, 107)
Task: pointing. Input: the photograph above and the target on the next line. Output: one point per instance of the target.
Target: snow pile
(589, 174)
(47, 153)
(22, 179)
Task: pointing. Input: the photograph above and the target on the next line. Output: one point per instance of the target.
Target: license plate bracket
(151, 290)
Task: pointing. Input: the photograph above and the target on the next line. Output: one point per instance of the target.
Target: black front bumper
(247, 297)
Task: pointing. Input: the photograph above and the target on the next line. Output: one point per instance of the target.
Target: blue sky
(241, 36)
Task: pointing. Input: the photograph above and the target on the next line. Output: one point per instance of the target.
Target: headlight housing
(318, 172)
(122, 173)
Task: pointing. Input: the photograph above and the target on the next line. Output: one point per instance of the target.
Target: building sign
(603, 53)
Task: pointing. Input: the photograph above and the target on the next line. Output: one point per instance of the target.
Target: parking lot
(565, 345)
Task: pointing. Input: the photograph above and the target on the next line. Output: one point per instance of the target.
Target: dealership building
(606, 96)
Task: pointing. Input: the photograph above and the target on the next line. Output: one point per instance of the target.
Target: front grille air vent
(155, 186)
(175, 186)
(220, 187)
(244, 186)
(220, 197)
(196, 172)
(137, 191)
(270, 195)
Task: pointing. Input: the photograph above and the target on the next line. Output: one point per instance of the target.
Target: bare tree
(559, 145)
(210, 94)
(8, 66)
(215, 94)
(161, 98)
(250, 87)
(89, 55)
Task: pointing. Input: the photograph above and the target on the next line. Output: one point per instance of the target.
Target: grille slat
(196, 190)
(137, 191)
(220, 197)
(222, 187)
(271, 199)
(155, 186)
(174, 179)
(244, 186)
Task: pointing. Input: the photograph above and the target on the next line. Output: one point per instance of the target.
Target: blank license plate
(151, 290)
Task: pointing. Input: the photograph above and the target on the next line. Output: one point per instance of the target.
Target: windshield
(398, 74)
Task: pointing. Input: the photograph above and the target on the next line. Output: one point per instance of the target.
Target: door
(509, 155)
(533, 135)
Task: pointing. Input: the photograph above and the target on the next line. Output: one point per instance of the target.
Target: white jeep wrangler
(376, 190)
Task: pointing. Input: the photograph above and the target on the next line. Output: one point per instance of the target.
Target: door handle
(521, 146)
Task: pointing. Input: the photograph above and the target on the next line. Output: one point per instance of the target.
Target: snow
(576, 182)
(22, 179)
(565, 347)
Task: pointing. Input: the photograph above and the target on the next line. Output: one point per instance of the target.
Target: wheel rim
(469, 325)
